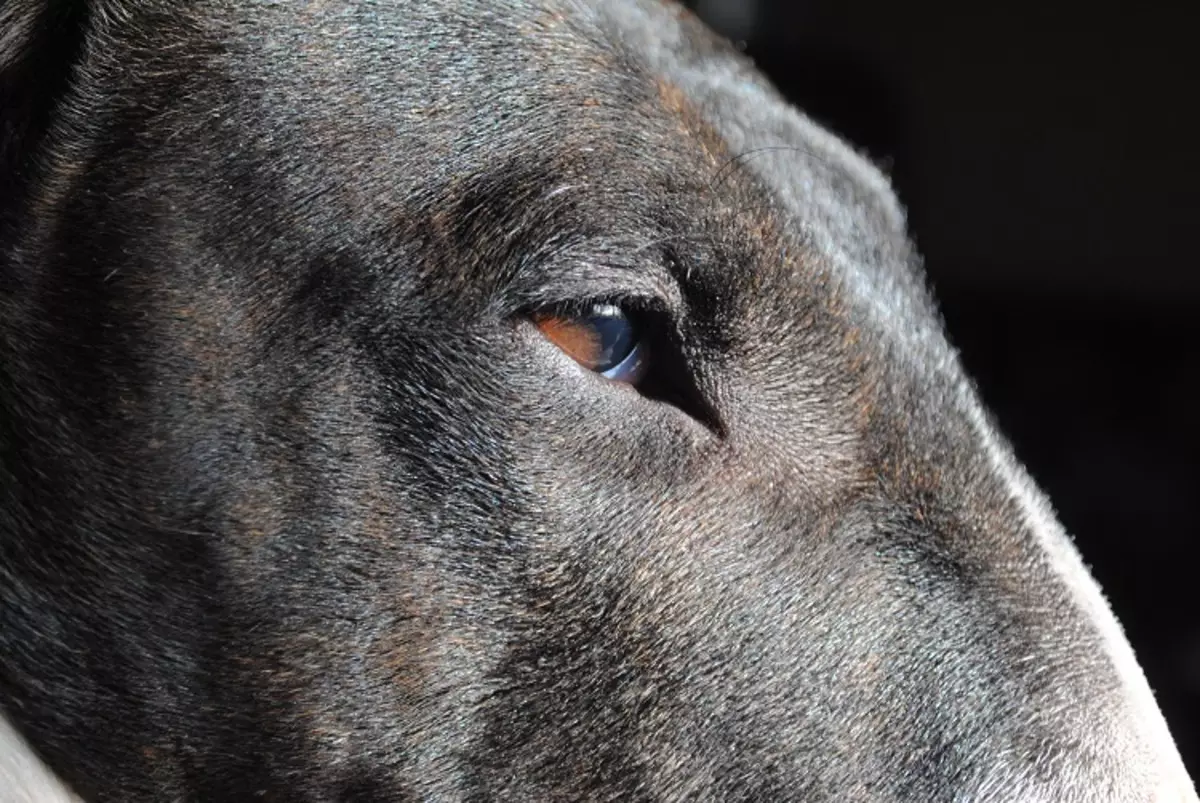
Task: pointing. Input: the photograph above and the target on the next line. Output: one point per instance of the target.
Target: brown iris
(575, 338)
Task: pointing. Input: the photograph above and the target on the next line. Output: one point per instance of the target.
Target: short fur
(296, 505)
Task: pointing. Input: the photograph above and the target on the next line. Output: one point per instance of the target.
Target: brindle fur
(296, 506)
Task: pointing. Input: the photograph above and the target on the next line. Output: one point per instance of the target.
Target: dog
(500, 400)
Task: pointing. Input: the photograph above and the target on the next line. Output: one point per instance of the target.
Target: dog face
(502, 400)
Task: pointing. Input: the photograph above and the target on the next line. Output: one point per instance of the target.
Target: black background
(1047, 155)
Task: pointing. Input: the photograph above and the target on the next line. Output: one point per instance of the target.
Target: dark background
(1047, 154)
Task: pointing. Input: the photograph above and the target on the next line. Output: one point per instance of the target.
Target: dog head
(502, 400)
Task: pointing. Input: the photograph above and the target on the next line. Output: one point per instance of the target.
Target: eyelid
(575, 282)
(550, 301)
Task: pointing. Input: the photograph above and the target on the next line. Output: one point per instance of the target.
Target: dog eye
(602, 339)
(618, 344)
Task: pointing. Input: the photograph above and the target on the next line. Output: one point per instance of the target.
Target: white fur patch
(1174, 784)
(23, 776)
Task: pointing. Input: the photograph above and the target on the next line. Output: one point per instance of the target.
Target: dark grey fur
(296, 505)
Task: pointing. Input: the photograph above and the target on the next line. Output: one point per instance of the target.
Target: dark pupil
(614, 336)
